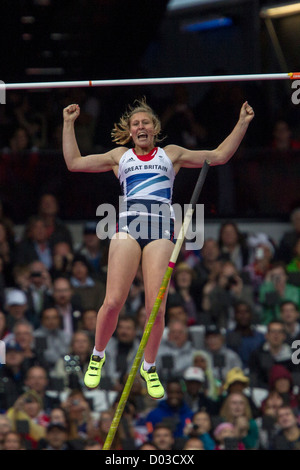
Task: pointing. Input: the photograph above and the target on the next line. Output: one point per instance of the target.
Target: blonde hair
(121, 133)
(225, 411)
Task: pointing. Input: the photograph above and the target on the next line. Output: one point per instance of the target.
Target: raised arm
(90, 163)
(182, 157)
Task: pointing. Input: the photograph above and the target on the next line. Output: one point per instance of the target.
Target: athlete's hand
(246, 113)
(71, 112)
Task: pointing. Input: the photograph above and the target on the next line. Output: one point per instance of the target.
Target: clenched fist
(71, 112)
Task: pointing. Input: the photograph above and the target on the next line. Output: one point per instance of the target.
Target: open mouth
(142, 135)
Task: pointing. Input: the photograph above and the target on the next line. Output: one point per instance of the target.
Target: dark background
(111, 39)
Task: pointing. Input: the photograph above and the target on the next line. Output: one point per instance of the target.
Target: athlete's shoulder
(172, 151)
(118, 153)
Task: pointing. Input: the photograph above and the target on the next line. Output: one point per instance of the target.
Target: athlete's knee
(112, 305)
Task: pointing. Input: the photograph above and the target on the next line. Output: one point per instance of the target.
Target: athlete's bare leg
(156, 256)
(123, 261)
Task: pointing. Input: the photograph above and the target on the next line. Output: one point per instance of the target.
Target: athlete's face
(142, 130)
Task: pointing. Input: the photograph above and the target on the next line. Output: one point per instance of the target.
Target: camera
(36, 274)
(231, 281)
(72, 369)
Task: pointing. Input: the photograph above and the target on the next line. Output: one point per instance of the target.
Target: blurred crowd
(229, 355)
(228, 358)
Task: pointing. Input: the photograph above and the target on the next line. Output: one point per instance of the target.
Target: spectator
(9, 224)
(33, 121)
(36, 379)
(193, 443)
(16, 307)
(21, 277)
(274, 290)
(13, 441)
(57, 341)
(273, 351)
(226, 437)
(87, 120)
(102, 430)
(4, 331)
(179, 122)
(288, 437)
(281, 381)
(66, 305)
(39, 290)
(59, 415)
(223, 359)
(94, 250)
(263, 254)
(201, 427)
(175, 352)
(244, 338)
(28, 407)
(267, 422)
(35, 244)
(56, 438)
(19, 140)
(173, 409)
(289, 315)
(7, 250)
(62, 257)
(183, 278)
(209, 263)
(91, 444)
(147, 446)
(133, 431)
(195, 396)
(13, 375)
(288, 240)
(79, 412)
(5, 427)
(237, 382)
(48, 210)
(162, 437)
(203, 360)
(220, 295)
(236, 410)
(122, 349)
(233, 246)
(88, 322)
(176, 311)
(90, 292)
(23, 336)
(282, 138)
